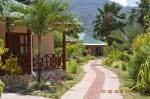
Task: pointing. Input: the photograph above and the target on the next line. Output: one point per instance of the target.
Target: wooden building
(22, 43)
(96, 46)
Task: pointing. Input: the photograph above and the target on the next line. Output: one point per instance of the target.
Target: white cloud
(122, 2)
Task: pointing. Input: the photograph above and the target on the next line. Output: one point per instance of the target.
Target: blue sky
(126, 2)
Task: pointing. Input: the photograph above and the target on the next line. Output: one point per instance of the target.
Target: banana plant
(143, 82)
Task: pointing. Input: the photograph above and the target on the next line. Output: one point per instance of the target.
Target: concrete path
(17, 96)
(80, 89)
(97, 80)
(110, 89)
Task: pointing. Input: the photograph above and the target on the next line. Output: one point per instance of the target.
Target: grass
(127, 83)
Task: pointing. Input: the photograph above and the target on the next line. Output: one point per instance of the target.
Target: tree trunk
(64, 50)
(39, 59)
(7, 25)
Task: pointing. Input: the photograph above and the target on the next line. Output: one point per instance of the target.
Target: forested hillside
(85, 10)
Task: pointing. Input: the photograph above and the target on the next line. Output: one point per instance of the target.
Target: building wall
(93, 50)
(2, 30)
(47, 41)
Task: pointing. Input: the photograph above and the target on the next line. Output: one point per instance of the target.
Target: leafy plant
(72, 67)
(128, 33)
(89, 57)
(134, 64)
(1, 87)
(107, 61)
(143, 80)
(58, 50)
(141, 50)
(12, 66)
(74, 50)
(82, 59)
(117, 64)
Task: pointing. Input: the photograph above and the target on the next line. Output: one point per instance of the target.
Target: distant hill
(86, 11)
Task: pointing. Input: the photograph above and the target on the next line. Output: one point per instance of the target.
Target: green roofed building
(96, 46)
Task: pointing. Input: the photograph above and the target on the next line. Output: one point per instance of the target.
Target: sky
(126, 2)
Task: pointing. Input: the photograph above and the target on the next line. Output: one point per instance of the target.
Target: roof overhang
(94, 44)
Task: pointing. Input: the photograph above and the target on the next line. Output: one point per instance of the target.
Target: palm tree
(108, 19)
(128, 33)
(45, 16)
(42, 17)
(6, 14)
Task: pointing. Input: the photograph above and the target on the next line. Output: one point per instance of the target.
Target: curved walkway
(98, 83)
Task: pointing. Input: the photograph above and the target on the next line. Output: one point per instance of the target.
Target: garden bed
(53, 88)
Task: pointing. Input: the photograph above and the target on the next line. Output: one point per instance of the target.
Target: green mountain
(86, 11)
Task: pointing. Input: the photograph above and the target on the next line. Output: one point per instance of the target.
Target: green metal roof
(89, 40)
(72, 39)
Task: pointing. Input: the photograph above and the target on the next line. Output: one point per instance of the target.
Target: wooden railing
(48, 61)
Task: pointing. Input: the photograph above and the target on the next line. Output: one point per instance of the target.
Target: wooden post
(64, 50)
(7, 31)
(30, 65)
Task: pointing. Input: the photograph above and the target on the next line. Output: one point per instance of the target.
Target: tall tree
(44, 16)
(141, 14)
(108, 19)
(40, 18)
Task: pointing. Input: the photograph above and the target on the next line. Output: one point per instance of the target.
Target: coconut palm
(108, 19)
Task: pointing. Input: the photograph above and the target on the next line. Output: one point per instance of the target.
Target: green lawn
(127, 83)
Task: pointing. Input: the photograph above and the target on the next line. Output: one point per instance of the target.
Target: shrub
(107, 61)
(12, 66)
(1, 87)
(118, 55)
(89, 57)
(141, 50)
(58, 50)
(117, 64)
(143, 81)
(72, 67)
(135, 63)
(82, 59)
(74, 50)
(124, 66)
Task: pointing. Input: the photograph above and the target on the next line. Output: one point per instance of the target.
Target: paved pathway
(17, 96)
(79, 90)
(96, 80)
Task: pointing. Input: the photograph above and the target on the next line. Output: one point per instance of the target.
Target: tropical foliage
(108, 19)
(74, 50)
(128, 33)
(1, 87)
(43, 17)
(143, 81)
(12, 66)
(72, 67)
